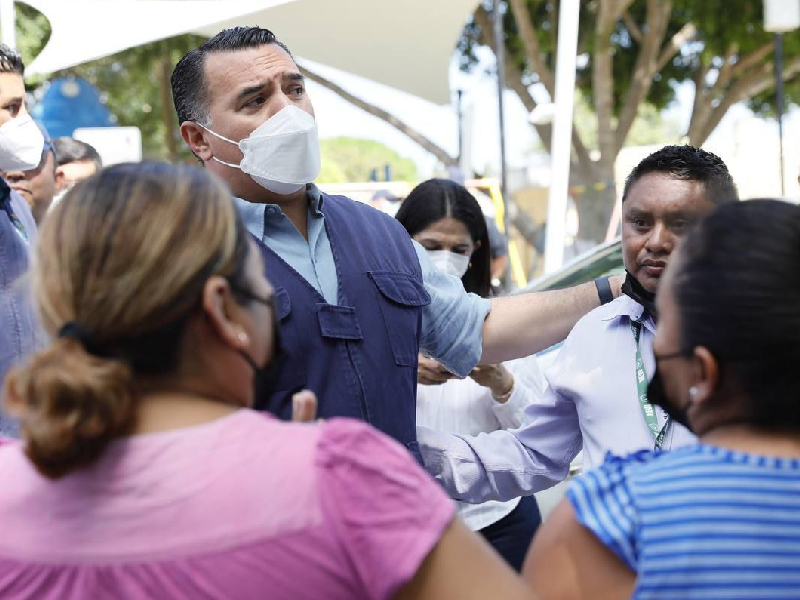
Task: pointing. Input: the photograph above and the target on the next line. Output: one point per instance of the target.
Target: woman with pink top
(143, 474)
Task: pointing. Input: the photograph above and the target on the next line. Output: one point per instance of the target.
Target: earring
(692, 392)
(242, 337)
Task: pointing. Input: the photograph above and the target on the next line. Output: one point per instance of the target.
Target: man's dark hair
(11, 61)
(690, 164)
(188, 85)
(69, 150)
(737, 291)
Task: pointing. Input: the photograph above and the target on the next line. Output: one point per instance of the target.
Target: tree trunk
(439, 152)
(595, 207)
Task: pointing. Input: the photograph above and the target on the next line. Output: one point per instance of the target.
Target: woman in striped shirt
(720, 519)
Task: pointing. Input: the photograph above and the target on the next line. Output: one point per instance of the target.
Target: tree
(346, 159)
(634, 52)
(136, 84)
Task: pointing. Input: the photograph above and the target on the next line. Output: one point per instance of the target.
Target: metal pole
(779, 100)
(8, 23)
(562, 134)
(500, 53)
(460, 117)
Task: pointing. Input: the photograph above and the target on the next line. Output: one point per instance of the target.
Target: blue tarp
(69, 104)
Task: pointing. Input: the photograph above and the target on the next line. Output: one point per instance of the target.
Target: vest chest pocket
(401, 298)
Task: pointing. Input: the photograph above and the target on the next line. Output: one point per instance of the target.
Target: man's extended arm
(528, 323)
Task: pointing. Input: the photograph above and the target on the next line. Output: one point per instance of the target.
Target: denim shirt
(19, 333)
(451, 324)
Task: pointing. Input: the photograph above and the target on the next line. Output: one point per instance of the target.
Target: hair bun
(70, 405)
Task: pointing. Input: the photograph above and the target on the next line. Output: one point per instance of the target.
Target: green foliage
(347, 159)
(33, 33)
(649, 128)
(719, 23)
(131, 82)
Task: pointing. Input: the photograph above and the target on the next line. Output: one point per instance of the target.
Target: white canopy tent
(404, 44)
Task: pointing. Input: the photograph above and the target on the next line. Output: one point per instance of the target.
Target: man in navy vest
(356, 298)
(21, 144)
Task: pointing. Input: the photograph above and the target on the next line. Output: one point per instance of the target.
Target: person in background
(596, 397)
(371, 294)
(447, 221)
(154, 478)
(719, 519)
(498, 243)
(21, 145)
(38, 186)
(77, 161)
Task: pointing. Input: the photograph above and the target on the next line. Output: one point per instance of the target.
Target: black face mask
(265, 378)
(633, 289)
(658, 397)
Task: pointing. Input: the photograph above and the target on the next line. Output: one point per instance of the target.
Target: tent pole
(8, 23)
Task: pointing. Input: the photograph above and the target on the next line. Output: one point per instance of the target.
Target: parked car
(600, 261)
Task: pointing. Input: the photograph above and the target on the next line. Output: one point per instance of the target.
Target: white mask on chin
(21, 144)
(282, 154)
(449, 262)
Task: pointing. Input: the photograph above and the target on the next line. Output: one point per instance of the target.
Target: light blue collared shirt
(591, 401)
(451, 323)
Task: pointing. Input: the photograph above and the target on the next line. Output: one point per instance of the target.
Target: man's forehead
(11, 85)
(229, 71)
(666, 192)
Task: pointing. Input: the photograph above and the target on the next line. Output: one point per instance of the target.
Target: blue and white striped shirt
(698, 522)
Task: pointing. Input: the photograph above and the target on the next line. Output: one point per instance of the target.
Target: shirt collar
(315, 199)
(625, 308)
(253, 213)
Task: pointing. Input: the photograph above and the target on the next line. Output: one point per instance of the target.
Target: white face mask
(449, 262)
(21, 144)
(282, 154)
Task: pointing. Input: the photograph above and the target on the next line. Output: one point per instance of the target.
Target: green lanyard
(648, 410)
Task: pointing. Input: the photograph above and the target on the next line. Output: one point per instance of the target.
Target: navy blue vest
(359, 356)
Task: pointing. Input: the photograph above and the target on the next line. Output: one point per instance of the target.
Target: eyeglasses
(250, 295)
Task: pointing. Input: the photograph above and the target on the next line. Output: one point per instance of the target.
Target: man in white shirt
(597, 390)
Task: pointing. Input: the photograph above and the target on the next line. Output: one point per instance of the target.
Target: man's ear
(705, 374)
(195, 138)
(59, 179)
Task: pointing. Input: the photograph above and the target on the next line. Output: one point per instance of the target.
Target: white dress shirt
(591, 401)
(464, 407)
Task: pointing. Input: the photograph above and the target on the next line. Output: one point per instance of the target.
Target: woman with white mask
(447, 221)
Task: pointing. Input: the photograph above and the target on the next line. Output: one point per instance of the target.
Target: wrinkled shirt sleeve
(502, 465)
(453, 321)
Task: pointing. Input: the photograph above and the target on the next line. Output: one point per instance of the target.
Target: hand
(430, 372)
(304, 407)
(495, 377)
